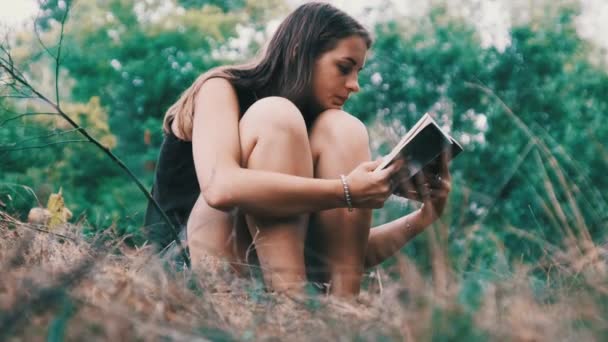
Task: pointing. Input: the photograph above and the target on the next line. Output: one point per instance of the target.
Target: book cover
(421, 147)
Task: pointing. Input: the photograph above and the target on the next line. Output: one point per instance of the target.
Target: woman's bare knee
(277, 123)
(339, 142)
(272, 112)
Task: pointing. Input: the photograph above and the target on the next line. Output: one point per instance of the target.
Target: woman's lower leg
(279, 242)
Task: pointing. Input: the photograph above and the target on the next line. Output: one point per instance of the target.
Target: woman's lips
(341, 99)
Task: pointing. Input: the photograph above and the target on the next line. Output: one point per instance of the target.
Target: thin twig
(43, 146)
(24, 115)
(54, 134)
(37, 228)
(18, 96)
(58, 58)
(37, 34)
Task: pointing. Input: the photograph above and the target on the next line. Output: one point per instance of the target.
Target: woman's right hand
(369, 189)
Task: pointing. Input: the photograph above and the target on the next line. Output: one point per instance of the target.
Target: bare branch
(24, 115)
(35, 227)
(58, 58)
(18, 97)
(54, 134)
(37, 33)
(42, 146)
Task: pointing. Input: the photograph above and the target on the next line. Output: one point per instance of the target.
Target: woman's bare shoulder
(215, 95)
(216, 100)
(216, 85)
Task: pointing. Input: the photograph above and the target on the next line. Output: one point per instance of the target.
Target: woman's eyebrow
(353, 61)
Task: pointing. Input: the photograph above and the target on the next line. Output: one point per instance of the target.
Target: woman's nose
(353, 84)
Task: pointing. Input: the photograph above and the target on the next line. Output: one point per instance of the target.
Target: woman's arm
(387, 239)
(225, 184)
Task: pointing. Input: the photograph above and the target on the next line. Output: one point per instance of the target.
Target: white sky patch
(491, 17)
(147, 13)
(593, 22)
(493, 24)
(13, 13)
(272, 26)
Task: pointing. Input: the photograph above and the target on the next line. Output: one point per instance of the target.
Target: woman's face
(336, 72)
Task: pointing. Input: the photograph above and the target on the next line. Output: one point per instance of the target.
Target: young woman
(285, 174)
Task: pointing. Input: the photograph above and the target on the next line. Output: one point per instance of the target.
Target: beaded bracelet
(349, 202)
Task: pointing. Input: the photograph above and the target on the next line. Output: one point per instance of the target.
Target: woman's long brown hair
(285, 66)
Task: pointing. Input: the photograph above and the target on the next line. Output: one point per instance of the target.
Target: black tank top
(175, 188)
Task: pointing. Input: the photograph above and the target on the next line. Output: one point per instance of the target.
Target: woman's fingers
(396, 166)
(438, 181)
(444, 169)
(369, 188)
(372, 165)
(438, 193)
(386, 173)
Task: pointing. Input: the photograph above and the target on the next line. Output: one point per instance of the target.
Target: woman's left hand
(437, 187)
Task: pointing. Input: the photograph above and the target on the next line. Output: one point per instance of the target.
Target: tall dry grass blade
(544, 244)
(592, 198)
(439, 267)
(580, 220)
(556, 206)
(553, 200)
(549, 214)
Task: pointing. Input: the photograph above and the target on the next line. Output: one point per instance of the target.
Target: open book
(421, 147)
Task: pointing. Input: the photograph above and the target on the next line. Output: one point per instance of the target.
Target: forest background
(528, 107)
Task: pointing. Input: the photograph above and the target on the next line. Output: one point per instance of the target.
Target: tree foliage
(530, 117)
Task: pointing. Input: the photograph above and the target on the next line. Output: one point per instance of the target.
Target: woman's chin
(331, 105)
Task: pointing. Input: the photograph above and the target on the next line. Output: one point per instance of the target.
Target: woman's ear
(294, 52)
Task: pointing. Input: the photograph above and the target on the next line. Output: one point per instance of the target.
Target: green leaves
(124, 63)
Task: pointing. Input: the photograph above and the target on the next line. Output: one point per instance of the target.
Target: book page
(423, 122)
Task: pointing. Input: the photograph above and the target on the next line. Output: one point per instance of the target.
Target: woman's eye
(344, 70)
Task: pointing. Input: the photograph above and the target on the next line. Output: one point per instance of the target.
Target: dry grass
(65, 287)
